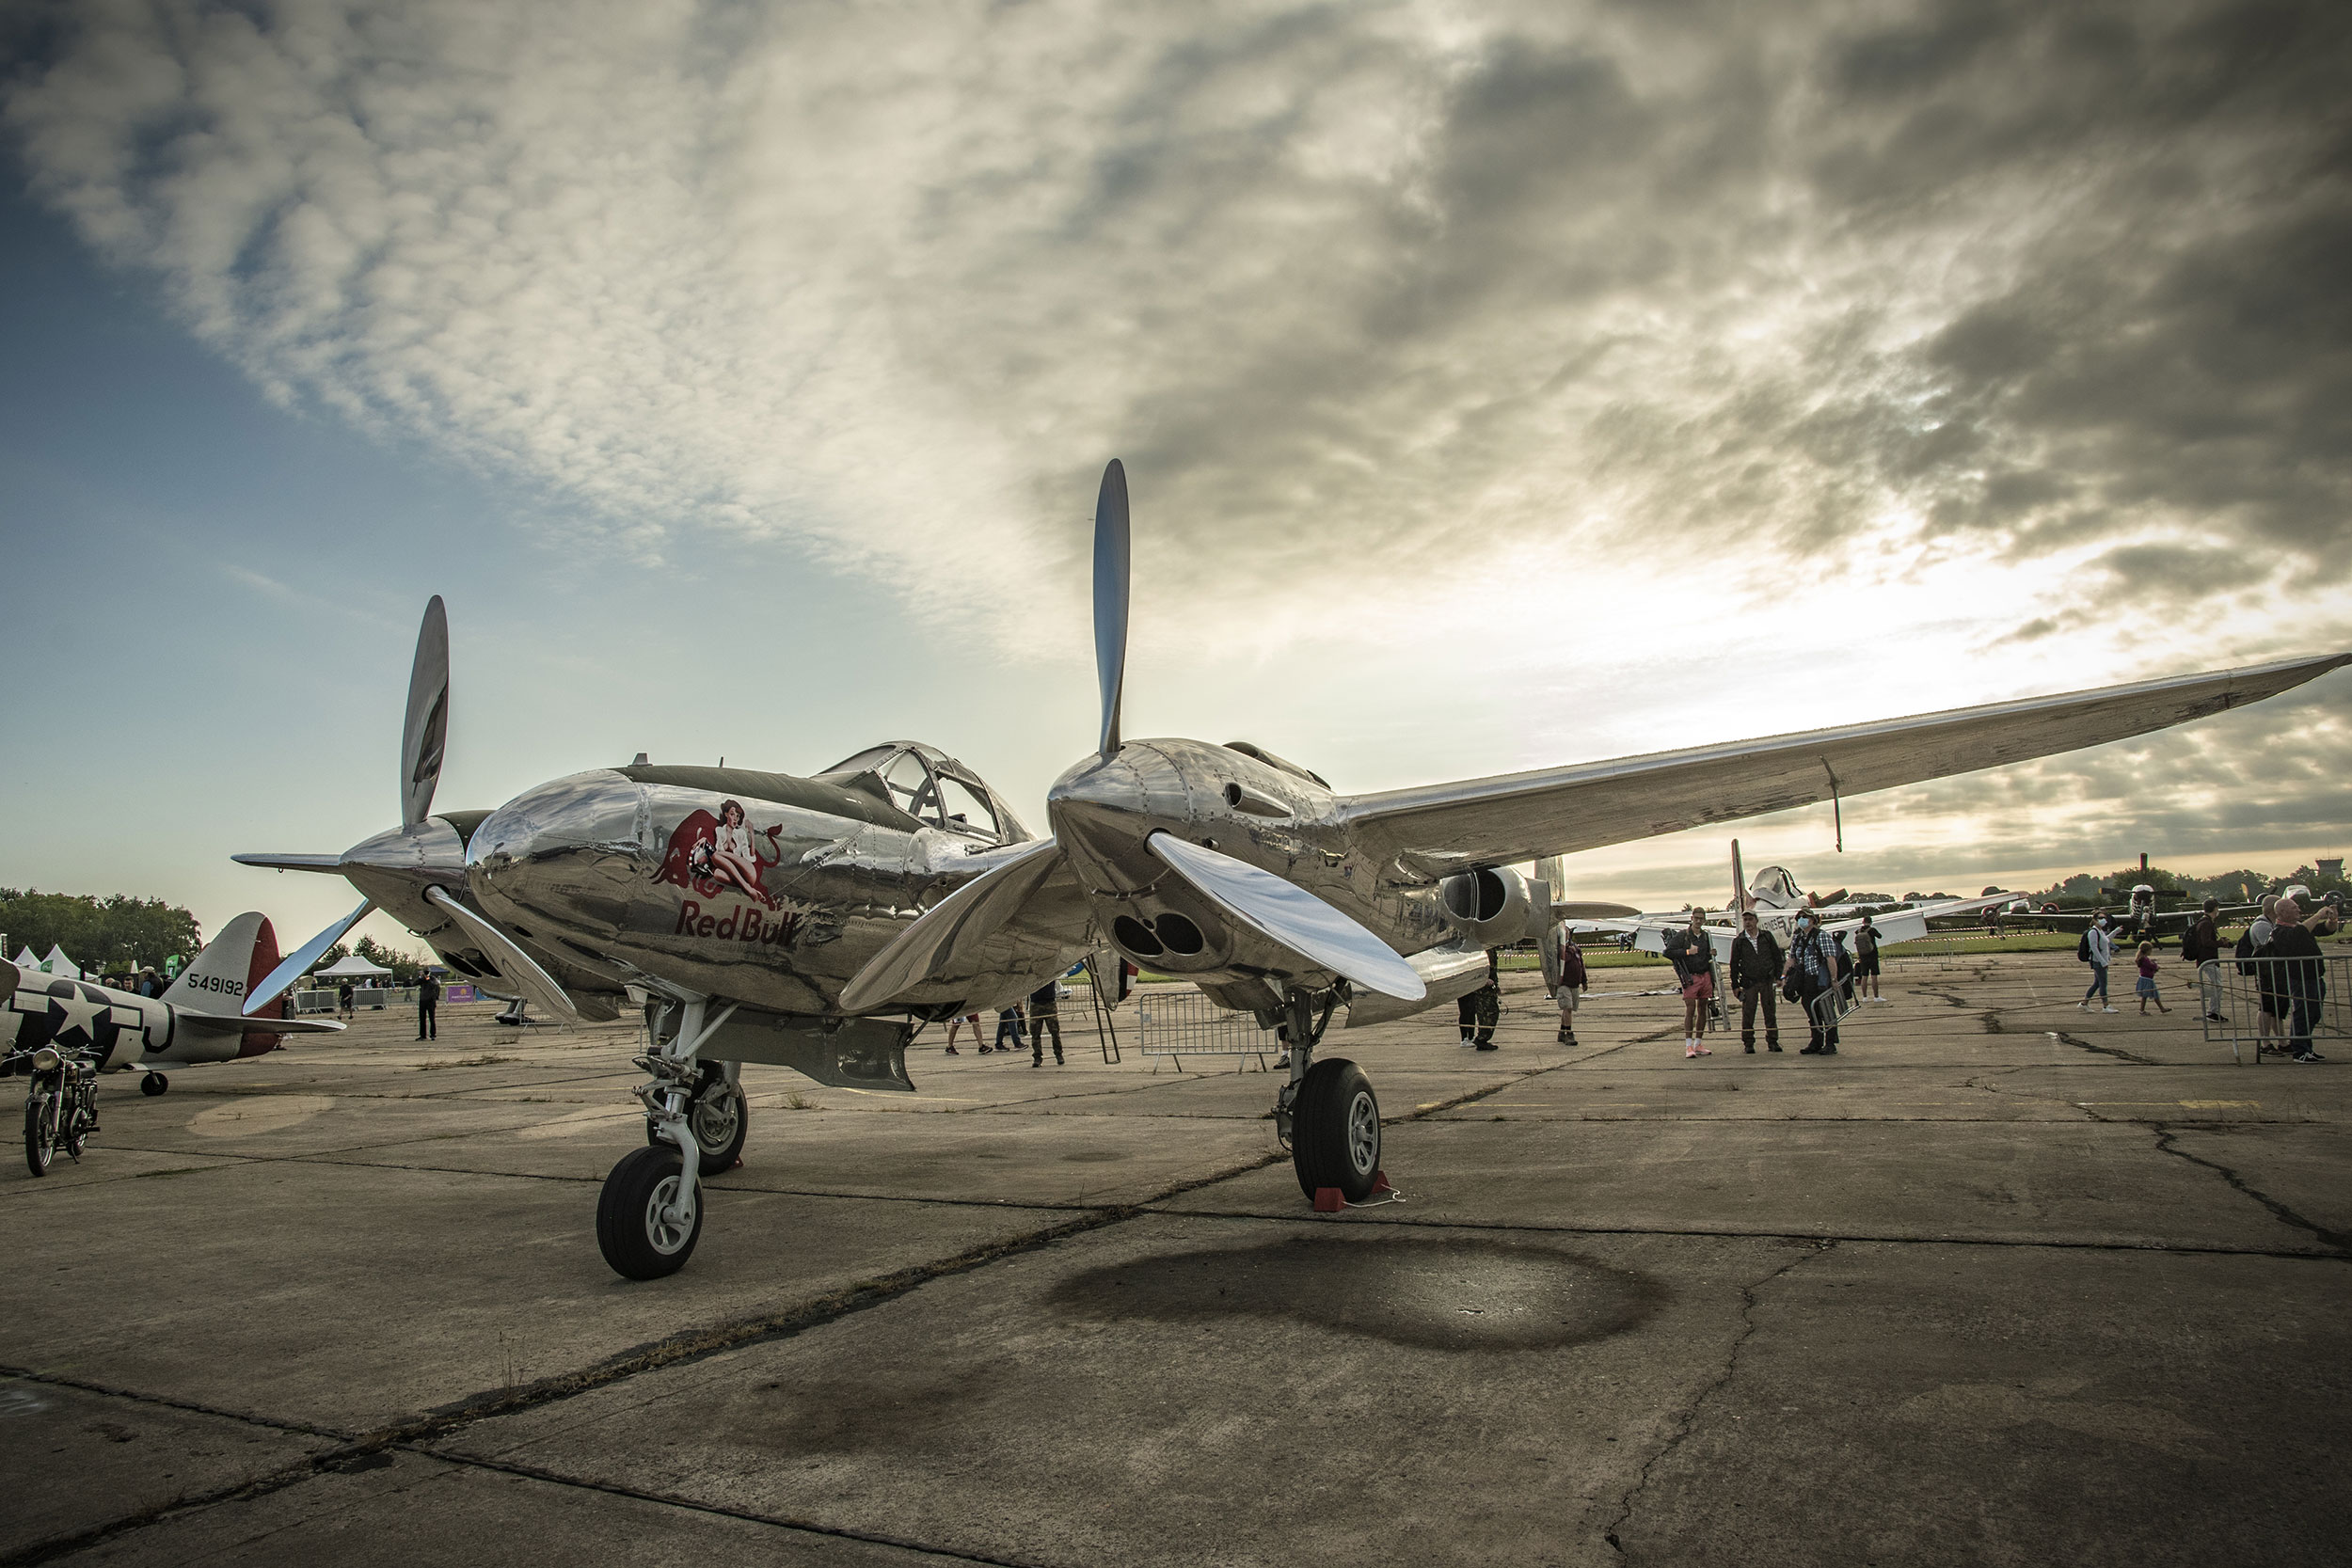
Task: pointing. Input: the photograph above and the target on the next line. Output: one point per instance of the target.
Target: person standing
(1812, 974)
(1865, 959)
(957, 1024)
(2200, 947)
(2255, 943)
(2146, 988)
(1756, 964)
(1485, 1006)
(2101, 947)
(1573, 979)
(342, 1001)
(1693, 956)
(2301, 977)
(1045, 1013)
(428, 1006)
(1009, 1024)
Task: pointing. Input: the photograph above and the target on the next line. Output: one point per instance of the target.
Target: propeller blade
(426, 732)
(295, 968)
(514, 963)
(1110, 599)
(293, 863)
(926, 947)
(1291, 916)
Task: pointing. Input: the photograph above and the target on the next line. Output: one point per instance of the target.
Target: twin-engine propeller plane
(819, 922)
(1776, 900)
(200, 1018)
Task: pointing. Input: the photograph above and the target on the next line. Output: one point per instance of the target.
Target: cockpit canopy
(931, 786)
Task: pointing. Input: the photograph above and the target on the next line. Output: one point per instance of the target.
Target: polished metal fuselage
(589, 868)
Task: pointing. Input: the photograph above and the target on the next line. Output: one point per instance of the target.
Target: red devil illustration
(709, 854)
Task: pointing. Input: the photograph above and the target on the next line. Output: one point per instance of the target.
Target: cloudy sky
(1499, 385)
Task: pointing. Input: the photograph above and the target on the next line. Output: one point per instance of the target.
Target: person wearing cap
(1812, 978)
(1756, 964)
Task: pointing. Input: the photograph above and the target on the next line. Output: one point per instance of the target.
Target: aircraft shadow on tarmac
(1465, 1293)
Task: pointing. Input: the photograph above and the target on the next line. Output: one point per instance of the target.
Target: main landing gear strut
(1326, 1112)
(649, 1215)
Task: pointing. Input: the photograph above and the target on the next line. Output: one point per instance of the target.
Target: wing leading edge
(1434, 828)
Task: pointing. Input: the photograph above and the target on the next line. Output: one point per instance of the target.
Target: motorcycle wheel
(41, 1132)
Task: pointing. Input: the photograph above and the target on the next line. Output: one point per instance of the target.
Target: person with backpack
(2201, 946)
(2301, 977)
(1693, 954)
(2097, 949)
(1810, 980)
(2253, 949)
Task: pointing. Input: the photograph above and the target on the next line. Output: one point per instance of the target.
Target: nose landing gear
(649, 1214)
(1326, 1112)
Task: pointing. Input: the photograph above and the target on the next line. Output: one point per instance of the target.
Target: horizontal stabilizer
(293, 862)
(218, 1021)
(1594, 911)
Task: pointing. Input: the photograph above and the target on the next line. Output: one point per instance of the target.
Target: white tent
(25, 961)
(57, 963)
(352, 968)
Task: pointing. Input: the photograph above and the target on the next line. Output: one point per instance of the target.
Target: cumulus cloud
(2017, 328)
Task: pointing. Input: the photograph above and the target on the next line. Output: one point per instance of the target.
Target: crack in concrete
(1389, 1217)
(806, 1527)
(2336, 1240)
(1688, 1421)
(675, 1349)
(2116, 1050)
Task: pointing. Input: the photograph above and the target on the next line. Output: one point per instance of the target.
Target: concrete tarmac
(2001, 1283)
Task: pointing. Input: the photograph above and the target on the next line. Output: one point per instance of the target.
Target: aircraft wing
(1432, 830)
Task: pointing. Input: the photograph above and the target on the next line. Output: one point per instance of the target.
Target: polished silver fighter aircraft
(818, 921)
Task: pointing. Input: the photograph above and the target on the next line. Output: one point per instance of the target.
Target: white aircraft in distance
(818, 921)
(1777, 900)
(198, 1019)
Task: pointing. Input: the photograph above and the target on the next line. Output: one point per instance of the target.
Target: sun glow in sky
(1499, 386)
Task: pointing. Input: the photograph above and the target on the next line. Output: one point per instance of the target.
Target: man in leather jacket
(1755, 965)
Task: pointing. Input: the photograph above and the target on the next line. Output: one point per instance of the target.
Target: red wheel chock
(1331, 1200)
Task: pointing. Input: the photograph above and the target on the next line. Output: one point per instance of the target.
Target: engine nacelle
(1494, 908)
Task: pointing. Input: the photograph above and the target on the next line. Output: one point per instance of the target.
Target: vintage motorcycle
(60, 1104)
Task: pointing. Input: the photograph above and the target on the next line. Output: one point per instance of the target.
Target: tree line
(109, 934)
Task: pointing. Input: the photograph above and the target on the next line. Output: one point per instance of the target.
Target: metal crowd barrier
(1178, 1024)
(2254, 1002)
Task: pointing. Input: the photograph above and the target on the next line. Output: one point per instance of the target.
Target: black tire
(154, 1083)
(40, 1133)
(627, 1232)
(722, 1119)
(1335, 1131)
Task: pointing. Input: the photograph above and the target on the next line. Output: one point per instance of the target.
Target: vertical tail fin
(238, 959)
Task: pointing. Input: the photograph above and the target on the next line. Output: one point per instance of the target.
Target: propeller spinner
(1139, 831)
